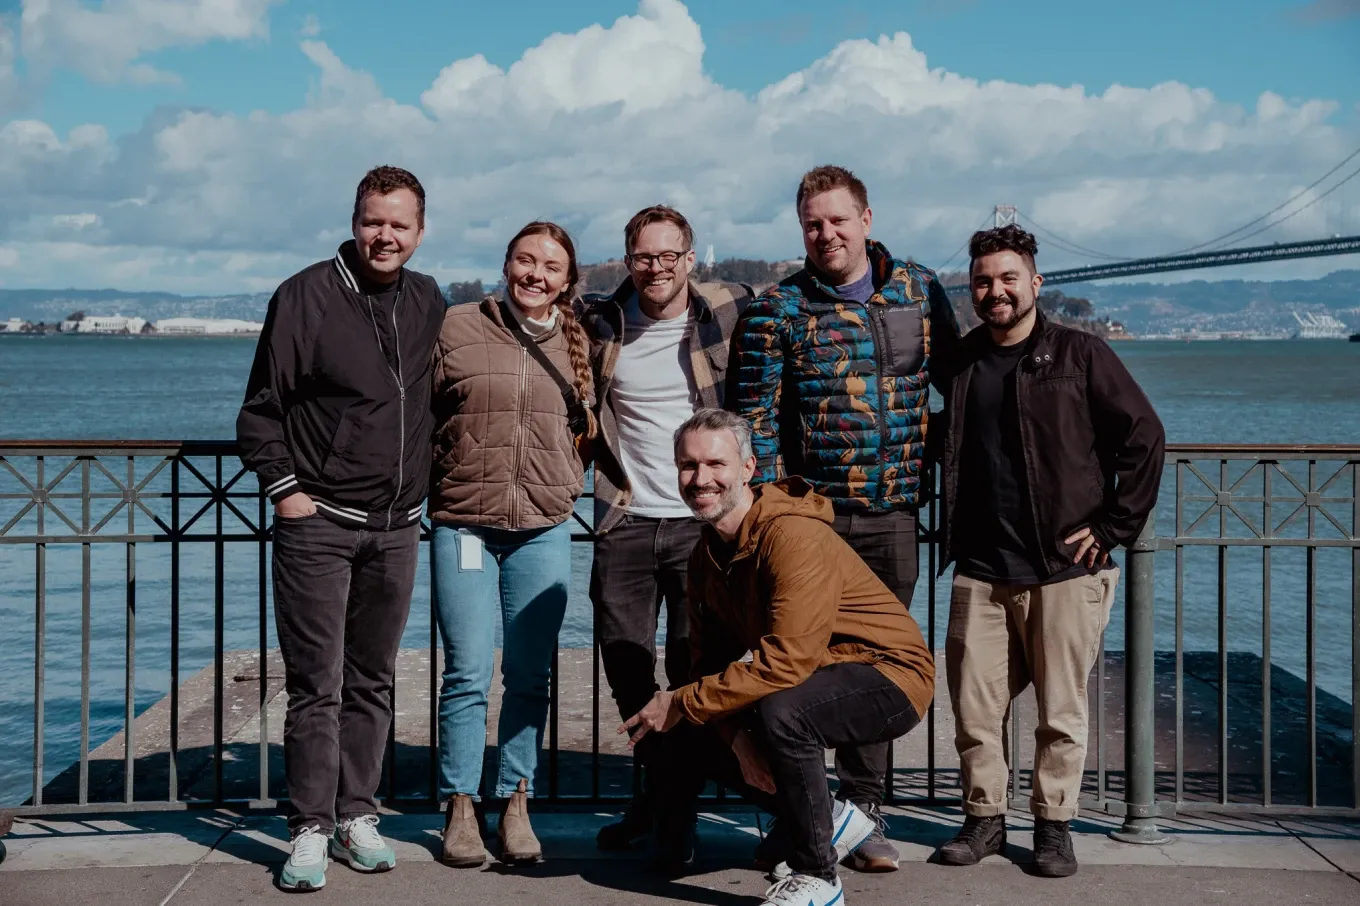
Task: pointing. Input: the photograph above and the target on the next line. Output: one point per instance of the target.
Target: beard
(1005, 312)
(664, 294)
(713, 509)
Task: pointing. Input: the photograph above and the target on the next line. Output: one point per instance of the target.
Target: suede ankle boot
(462, 837)
(518, 843)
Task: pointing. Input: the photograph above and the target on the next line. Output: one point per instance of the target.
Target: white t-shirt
(652, 395)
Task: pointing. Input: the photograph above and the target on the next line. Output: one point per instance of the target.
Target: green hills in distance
(1143, 308)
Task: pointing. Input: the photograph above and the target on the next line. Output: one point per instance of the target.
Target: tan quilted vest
(504, 455)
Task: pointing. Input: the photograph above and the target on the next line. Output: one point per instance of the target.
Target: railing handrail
(1332, 481)
(229, 446)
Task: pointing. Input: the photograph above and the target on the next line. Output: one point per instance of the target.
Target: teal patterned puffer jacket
(838, 392)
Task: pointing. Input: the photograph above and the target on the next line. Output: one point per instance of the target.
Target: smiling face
(1004, 291)
(713, 476)
(387, 232)
(536, 271)
(835, 233)
(660, 288)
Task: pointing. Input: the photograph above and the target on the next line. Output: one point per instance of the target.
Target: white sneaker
(805, 890)
(850, 828)
(306, 867)
(358, 842)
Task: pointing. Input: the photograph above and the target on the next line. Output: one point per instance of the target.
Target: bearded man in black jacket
(337, 424)
(1052, 458)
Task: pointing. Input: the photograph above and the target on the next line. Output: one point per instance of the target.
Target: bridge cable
(1068, 245)
(1354, 173)
(1274, 210)
(942, 267)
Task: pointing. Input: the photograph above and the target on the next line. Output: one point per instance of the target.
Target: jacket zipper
(876, 331)
(519, 435)
(401, 394)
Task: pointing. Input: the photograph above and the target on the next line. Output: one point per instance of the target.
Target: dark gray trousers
(886, 542)
(341, 597)
(638, 564)
(839, 706)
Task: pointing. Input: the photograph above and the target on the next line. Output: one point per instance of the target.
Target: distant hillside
(52, 305)
(1142, 307)
(1225, 305)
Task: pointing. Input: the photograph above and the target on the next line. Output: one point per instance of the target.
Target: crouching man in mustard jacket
(796, 647)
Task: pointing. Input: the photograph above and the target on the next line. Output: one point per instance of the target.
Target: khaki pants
(1002, 638)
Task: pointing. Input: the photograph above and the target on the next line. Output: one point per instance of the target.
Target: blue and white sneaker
(306, 866)
(850, 828)
(805, 890)
(357, 842)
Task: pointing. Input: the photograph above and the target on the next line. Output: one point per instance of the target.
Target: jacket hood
(788, 497)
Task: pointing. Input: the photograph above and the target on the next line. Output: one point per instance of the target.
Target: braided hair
(578, 344)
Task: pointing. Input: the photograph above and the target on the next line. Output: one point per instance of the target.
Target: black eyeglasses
(667, 260)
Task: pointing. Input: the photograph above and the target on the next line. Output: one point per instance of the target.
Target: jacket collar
(346, 266)
(500, 311)
(1038, 345)
(791, 496)
(881, 265)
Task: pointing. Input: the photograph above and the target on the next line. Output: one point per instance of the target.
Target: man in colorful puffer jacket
(833, 371)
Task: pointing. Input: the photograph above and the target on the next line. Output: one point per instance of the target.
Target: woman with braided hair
(512, 400)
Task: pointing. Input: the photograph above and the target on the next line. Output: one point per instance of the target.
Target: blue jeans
(522, 577)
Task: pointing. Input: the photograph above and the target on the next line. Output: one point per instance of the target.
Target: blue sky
(954, 112)
(1236, 49)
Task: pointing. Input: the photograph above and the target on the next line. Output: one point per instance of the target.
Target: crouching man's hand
(659, 714)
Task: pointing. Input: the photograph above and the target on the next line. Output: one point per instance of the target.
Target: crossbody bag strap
(576, 410)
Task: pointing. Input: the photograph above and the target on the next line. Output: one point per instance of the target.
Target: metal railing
(134, 512)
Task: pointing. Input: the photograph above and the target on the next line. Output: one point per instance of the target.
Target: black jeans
(341, 597)
(638, 564)
(886, 542)
(843, 705)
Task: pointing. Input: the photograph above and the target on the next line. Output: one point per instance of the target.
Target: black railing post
(1140, 762)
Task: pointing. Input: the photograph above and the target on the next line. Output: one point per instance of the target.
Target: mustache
(703, 489)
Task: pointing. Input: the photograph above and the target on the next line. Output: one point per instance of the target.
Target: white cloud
(642, 62)
(311, 26)
(585, 128)
(105, 42)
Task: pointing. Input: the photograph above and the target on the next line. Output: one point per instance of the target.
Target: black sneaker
(634, 828)
(773, 848)
(975, 841)
(1053, 856)
(673, 850)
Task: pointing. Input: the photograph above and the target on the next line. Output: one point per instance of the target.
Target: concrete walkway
(152, 859)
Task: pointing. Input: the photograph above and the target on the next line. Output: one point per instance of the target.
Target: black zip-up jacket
(1092, 444)
(338, 402)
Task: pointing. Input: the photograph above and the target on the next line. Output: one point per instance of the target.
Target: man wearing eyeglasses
(658, 348)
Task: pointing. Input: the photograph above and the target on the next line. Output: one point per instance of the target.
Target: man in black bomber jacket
(1052, 457)
(337, 423)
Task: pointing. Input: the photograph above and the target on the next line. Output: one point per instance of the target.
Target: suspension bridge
(1225, 250)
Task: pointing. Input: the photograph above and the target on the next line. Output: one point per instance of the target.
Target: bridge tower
(1003, 215)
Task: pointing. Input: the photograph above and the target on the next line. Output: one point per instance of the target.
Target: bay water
(124, 388)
